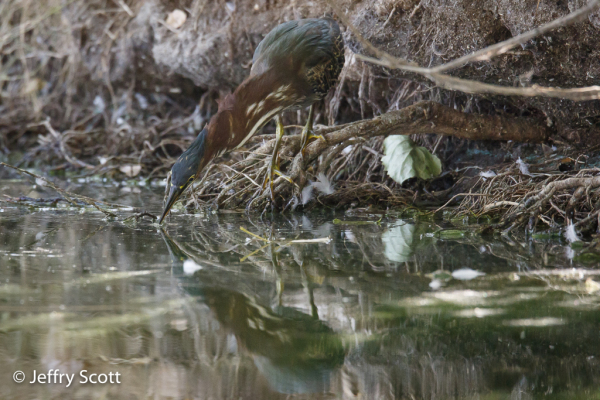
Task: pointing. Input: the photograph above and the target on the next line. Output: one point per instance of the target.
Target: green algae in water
(451, 234)
(337, 221)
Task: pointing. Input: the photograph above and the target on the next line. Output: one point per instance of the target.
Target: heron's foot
(308, 136)
(274, 170)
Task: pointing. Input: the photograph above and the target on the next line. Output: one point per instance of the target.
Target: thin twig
(241, 173)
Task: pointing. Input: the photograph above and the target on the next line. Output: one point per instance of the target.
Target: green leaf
(403, 159)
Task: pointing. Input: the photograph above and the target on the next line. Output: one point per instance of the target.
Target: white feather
(466, 274)
(523, 167)
(487, 174)
(307, 193)
(99, 105)
(435, 284)
(571, 234)
(190, 266)
(323, 185)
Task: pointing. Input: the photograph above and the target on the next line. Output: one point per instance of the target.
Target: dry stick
(235, 183)
(455, 196)
(587, 219)
(61, 139)
(68, 196)
(503, 203)
(431, 117)
(470, 86)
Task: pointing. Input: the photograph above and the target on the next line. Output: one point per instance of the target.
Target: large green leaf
(403, 159)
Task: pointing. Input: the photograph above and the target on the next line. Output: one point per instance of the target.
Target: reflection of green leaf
(587, 258)
(404, 159)
(398, 242)
(440, 275)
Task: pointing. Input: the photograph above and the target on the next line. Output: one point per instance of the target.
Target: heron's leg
(314, 312)
(308, 133)
(274, 167)
(277, 269)
(279, 287)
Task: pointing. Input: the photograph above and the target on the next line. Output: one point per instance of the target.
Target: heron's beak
(174, 194)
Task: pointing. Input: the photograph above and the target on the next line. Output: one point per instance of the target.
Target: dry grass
(354, 166)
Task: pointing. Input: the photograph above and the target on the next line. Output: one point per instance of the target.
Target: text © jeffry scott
(54, 376)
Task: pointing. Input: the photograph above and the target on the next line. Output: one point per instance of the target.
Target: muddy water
(325, 306)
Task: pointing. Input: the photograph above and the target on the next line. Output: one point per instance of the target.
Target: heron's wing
(272, 38)
(302, 44)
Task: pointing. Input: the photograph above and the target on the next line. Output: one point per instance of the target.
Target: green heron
(294, 66)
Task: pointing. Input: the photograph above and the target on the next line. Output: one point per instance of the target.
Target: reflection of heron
(294, 351)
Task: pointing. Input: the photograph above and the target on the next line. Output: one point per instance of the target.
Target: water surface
(321, 307)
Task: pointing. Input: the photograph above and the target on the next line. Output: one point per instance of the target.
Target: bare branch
(431, 117)
(469, 86)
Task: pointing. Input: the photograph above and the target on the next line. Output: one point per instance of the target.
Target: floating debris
(466, 274)
(591, 286)
(190, 267)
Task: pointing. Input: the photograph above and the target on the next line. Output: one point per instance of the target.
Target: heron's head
(184, 171)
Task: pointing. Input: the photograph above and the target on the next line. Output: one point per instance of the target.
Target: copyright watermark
(54, 376)
(19, 376)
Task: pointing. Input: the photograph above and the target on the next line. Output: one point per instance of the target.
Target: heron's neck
(241, 114)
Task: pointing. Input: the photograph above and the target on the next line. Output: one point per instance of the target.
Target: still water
(326, 305)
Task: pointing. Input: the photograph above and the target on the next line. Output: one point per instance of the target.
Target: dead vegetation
(340, 157)
(551, 194)
(73, 199)
(71, 99)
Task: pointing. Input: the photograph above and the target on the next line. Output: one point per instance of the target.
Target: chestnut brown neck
(254, 103)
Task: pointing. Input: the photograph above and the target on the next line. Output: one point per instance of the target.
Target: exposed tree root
(235, 186)
(535, 205)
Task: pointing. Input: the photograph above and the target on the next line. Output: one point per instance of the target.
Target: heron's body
(294, 66)
(311, 50)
